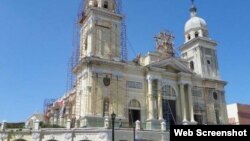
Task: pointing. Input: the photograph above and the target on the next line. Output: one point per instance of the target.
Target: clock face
(106, 81)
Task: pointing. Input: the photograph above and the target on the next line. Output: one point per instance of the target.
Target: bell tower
(199, 49)
(100, 30)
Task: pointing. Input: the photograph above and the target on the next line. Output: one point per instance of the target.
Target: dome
(194, 23)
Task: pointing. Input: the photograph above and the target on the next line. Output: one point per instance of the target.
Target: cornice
(197, 40)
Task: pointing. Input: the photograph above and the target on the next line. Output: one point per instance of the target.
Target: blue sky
(37, 40)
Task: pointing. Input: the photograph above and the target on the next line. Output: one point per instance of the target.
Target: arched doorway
(134, 112)
(169, 104)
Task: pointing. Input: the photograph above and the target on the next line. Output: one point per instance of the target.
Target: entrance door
(169, 111)
(134, 115)
(198, 118)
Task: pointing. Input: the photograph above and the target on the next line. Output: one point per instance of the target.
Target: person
(120, 123)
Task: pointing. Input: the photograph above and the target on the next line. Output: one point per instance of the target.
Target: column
(36, 124)
(55, 118)
(160, 115)
(190, 99)
(150, 100)
(91, 45)
(100, 3)
(183, 103)
(68, 124)
(91, 3)
(90, 91)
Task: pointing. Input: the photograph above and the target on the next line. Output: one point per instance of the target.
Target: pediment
(172, 64)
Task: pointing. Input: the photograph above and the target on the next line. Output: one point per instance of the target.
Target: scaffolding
(75, 57)
(165, 44)
(81, 17)
(124, 50)
(47, 107)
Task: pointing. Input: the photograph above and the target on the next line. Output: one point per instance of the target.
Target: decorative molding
(52, 137)
(36, 136)
(102, 135)
(184, 82)
(85, 137)
(3, 136)
(104, 71)
(18, 136)
(68, 136)
(153, 77)
(168, 82)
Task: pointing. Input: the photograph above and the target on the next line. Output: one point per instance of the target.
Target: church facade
(155, 87)
(153, 91)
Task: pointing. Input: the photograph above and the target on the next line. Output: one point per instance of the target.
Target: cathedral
(150, 93)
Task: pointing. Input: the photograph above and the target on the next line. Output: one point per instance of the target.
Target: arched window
(134, 104)
(168, 91)
(106, 107)
(192, 65)
(169, 104)
(215, 95)
(106, 4)
(134, 111)
(208, 62)
(188, 37)
(196, 34)
(86, 43)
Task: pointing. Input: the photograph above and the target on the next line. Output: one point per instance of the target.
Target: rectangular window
(133, 84)
(197, 92)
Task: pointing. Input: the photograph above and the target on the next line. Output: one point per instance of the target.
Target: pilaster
(183, 104)
(150, 100)
(160, 114)
(190, 101)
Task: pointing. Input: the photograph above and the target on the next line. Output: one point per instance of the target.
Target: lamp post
(113, 115)
(134, 133)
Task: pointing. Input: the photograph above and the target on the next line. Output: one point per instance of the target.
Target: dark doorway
(198, 119)
(169, 111)
(134, 115)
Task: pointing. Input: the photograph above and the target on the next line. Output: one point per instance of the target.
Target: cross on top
(192, 2)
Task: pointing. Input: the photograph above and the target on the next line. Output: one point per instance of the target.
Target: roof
(172, 62)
